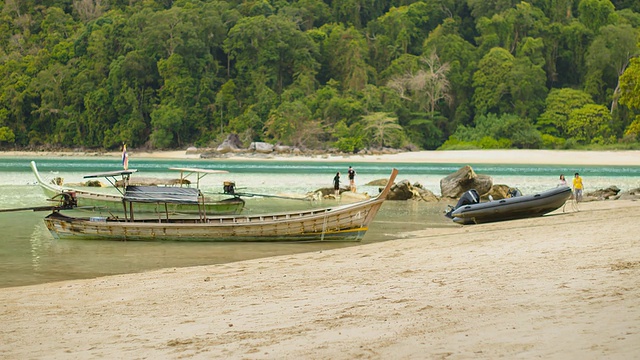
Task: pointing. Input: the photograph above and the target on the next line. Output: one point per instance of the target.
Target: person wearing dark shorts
(336, 184)
(352, 179)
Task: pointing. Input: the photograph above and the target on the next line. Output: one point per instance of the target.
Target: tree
(400, 31)
(610, 54)
(350, 138)
(291, 123)
(510, 27)
(490, 82)
(166, 121)
(590, 124)
(253, 47)
(462, 59)
(488, 8)
(559, 104)
(426, 87)
(630, 85)
(382, 128)
(566, 46)
(346, 54)
(493, 131)
(596, 13)
(527, 80)
(7, 135)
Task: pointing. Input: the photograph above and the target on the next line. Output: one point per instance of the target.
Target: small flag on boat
(125, 157)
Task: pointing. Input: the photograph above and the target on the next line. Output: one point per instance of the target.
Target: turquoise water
(29, 255)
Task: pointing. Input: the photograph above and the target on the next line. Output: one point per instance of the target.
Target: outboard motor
(469, 197)
(514, 192)
(229, 187)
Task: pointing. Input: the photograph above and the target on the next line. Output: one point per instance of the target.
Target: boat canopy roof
(111, 173)
(161, 194)
(202, 171)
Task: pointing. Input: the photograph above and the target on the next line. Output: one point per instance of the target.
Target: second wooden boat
(113, 202)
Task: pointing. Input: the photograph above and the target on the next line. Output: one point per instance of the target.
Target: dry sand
(550, 157)
(564, 286)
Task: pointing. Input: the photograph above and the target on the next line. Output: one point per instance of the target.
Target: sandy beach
(563, 286)
(549, 157)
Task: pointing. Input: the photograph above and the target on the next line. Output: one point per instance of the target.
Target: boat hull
(323, 225)
(512, 208)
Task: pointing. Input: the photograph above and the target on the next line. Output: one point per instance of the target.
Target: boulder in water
(456, 184)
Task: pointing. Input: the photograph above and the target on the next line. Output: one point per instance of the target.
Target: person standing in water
(562, 182)
(352, 179)
(336, 184)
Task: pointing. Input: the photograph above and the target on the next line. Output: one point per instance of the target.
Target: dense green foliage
(342, 74)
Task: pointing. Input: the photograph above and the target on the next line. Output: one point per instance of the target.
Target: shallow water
(29, 254)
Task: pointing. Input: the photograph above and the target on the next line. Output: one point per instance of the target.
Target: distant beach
(550, 157)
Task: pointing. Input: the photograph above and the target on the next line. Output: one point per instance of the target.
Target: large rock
(497, 192)
(633, 194)
(329, 191)
(403, 190)
(604, 194)
(192, 150)
(231, 144)
(261, 147)
(456, 184)
(425, 194)
(379, 182)
(282, 149)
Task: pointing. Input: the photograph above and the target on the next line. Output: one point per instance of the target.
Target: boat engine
(468, 198)
(229, 187)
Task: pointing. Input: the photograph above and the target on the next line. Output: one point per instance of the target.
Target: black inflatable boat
(470, 210)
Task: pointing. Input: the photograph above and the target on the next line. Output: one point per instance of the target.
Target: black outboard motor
(229, 187)
(514, 192)
(468, 198)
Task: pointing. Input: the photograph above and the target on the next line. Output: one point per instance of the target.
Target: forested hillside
(346, 74)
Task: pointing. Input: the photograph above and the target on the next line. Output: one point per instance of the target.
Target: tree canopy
(345, 74)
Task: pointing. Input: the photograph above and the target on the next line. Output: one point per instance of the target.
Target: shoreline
(525, 157)
(556, 286)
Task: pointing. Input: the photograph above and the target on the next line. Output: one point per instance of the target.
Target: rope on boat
(324, 226)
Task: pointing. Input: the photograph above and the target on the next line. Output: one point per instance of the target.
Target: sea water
(30, 255)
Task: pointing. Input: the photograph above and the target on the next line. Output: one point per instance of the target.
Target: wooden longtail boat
(341, 223)
(113, 202)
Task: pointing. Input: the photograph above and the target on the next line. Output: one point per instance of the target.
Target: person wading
(352, 179)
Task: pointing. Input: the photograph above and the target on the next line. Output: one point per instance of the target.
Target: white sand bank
(551, 157)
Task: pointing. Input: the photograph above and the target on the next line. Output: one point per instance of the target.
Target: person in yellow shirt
(577, 187)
